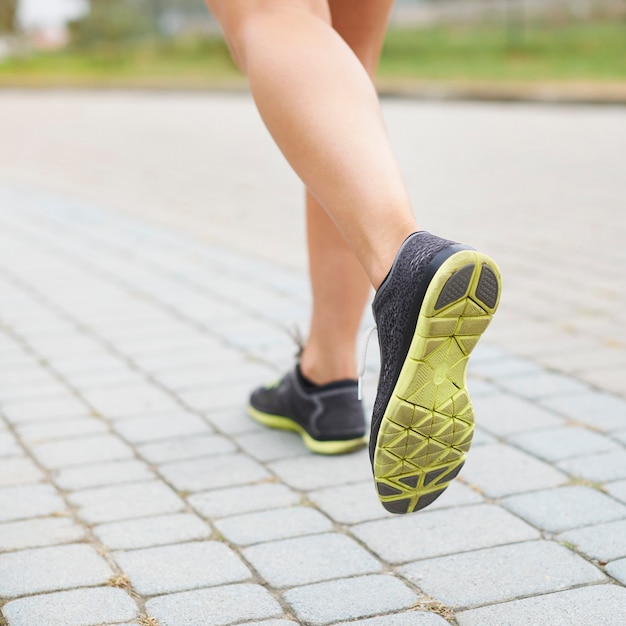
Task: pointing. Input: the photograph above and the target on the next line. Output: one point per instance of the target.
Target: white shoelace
(368, 336)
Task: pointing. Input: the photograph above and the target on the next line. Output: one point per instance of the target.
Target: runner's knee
(243, 22)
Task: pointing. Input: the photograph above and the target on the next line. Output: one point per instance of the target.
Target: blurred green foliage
(541, 51)
(111, 23)
(118, 47)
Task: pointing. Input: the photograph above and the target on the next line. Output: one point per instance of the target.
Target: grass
(569, 52)
(589, 51)
(193, 62)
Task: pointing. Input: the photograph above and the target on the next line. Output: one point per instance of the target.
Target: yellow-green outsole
(319, 447)
(427, 427)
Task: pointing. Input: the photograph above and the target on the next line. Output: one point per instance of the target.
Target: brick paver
(132, 483)
(502, 573)
(79, 607)
(324, 603)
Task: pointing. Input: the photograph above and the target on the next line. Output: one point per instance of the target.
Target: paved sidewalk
(135, 491)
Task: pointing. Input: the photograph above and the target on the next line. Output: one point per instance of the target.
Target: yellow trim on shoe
(427, 426)
(319, 447)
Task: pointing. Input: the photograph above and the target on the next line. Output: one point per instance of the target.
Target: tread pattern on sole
(428, 425)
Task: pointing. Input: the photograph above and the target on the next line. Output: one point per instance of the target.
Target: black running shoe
(431, 310)
(329, 417)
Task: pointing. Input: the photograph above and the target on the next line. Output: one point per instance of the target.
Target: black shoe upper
(396, 308)
(328, 413)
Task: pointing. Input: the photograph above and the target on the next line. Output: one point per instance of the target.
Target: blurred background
(176, 43)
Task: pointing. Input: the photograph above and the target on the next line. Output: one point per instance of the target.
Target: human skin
(310, 64)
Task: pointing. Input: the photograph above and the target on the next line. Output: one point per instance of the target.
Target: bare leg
(339, 283)
(318, 102)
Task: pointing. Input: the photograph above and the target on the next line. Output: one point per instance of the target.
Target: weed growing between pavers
(578, 481)
(428, 603)
(121, 581)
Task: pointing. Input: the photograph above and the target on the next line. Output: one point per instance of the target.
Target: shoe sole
(427, 426)
(315, 445)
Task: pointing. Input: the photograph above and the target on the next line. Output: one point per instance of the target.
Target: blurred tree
(514, 18)
(113, 22)
(8, 16)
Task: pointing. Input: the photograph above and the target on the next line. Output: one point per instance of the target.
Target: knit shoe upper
(430, 311)
(330, 418)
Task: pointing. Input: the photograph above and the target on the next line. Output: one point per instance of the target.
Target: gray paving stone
(161, 426)
(477, 386)
(601, 467)
(592, 408)
(24, 393)
(43, 432)
(561, 509)
(226, 396)
(37, 533)
(152, 531)
(82, 451)
(316, 471)
(557, 444)
(102, 474)
(214, 472)
(233, 421)
(222, 502)
(304, 560)
(81, 363)
(499, 470)
(349, 598)
(19, 471)
(79, 607)
(587, 606)
(130, 401)
(602, 541)
(65, 343)
(236, 371)
(8, 445)
(448, 531)
(412, 618)
(617, 490)
(272, 525)
(29, 501)
(168, 569)
(54, 408)
(507, 365)
(99, 380)
(271, 445)
(225, 605)
(488, 575)
(107, 504)
(504, 415)
(545, 384)
(352, 504)
(609, 377)
(617, 569)
(271, 622)
(186, 448)
(620, 436)
(51, 569)
(482, 437)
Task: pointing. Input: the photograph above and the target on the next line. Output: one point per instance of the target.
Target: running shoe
(430, 311)
(329, 417)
